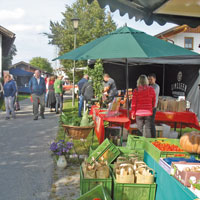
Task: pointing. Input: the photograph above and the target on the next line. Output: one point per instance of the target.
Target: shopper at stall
(9, 95)
(110, 89)
(87, 92)
(80, 85)
(143, 102)
(152, 82)
(38, 89)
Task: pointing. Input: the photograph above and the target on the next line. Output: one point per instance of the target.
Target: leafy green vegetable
(72, 119)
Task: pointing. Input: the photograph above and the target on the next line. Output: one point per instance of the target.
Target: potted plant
(76, 127)
(61, 149)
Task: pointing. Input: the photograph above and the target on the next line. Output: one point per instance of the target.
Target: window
(189, 42)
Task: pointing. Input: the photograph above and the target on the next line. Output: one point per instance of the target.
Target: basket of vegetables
(76, 127)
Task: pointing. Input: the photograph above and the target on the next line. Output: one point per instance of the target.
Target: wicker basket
(77, 132)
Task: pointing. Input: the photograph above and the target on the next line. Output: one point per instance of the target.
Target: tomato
(166, 146)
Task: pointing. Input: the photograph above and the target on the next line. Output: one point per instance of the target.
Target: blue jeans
(80, 106)
(59, 102)
(9, 106)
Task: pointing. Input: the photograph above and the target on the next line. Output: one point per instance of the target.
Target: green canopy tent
(161, 11)
(128, 45)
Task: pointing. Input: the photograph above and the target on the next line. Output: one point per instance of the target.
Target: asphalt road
(25, 162)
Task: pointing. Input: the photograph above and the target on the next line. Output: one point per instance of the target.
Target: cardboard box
(181, 106)
(182, 171)
(172, 106)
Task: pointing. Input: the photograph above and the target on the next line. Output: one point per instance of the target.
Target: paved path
(25, 162)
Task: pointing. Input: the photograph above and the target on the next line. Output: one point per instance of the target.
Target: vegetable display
(72, 119)
(190, 142)
(162, 146)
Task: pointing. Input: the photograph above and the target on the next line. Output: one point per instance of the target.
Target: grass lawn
(23, 96)
(82, 147)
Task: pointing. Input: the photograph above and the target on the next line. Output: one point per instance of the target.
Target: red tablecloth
(178, 119)
(99, 116)
(181, 119)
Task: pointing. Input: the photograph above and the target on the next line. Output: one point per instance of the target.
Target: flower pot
(61, 162)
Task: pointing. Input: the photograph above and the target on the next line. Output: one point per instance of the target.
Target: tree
(41, 63)
(94, 23)
(7, 60)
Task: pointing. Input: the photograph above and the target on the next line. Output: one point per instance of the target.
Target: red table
(175, 119)
(99, 117)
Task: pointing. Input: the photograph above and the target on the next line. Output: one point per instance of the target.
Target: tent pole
(127, 86)
(163, 86)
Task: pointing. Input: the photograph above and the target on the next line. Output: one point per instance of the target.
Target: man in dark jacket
(87, 91)
(80, 85)
(38, 88)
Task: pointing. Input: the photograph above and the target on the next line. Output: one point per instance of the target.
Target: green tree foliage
(94, 23)
(96, 74)
(7, 61)
(41, 63)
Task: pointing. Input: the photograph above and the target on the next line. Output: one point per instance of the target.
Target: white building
(183, 36)
(6, 40)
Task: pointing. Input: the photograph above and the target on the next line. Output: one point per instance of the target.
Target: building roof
(176, 30)
(27, 64)
(161, 11)
(8, 38)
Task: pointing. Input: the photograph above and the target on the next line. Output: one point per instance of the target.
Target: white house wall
(0, 55)
(179, 40)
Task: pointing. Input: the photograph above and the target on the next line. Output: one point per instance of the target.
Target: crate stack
(110, 187)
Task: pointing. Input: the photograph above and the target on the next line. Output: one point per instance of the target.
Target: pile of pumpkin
(190, 142)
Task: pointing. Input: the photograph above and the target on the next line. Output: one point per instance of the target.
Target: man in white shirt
(152, 82)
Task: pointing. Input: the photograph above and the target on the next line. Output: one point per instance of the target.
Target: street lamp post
(75, 25)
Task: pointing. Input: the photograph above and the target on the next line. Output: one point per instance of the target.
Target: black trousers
(153, 127)
(144, 120)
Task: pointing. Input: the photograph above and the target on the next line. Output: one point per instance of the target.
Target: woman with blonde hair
(9, 95)
(143, 102)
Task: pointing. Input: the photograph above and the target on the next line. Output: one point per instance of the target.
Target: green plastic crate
(156, 154)
(97, 192)
(135, 142)
(87, 184)
(125, 151)
(107, 149)
(133, 191)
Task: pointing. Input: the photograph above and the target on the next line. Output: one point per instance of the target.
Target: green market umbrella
(126, 42)
(128, 45)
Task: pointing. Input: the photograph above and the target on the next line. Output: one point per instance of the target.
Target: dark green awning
(146, 10)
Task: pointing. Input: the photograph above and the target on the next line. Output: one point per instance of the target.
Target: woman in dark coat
(51, 99)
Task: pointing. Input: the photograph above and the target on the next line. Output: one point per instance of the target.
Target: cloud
(17, 13)
(26, 27)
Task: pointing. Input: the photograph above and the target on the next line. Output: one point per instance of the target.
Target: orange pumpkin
(190, 142)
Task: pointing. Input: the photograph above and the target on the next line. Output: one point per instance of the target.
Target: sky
(29, 19)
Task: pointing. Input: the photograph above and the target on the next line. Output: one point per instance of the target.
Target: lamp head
(75, 23)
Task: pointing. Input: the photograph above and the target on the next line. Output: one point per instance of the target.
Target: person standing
(51, 99)
(1, 90)
(110, 88)
(143, 102)
(9, 96)
(87, 92)
(58, 87)
(80, 85)
(38, 89)
(152, 83)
